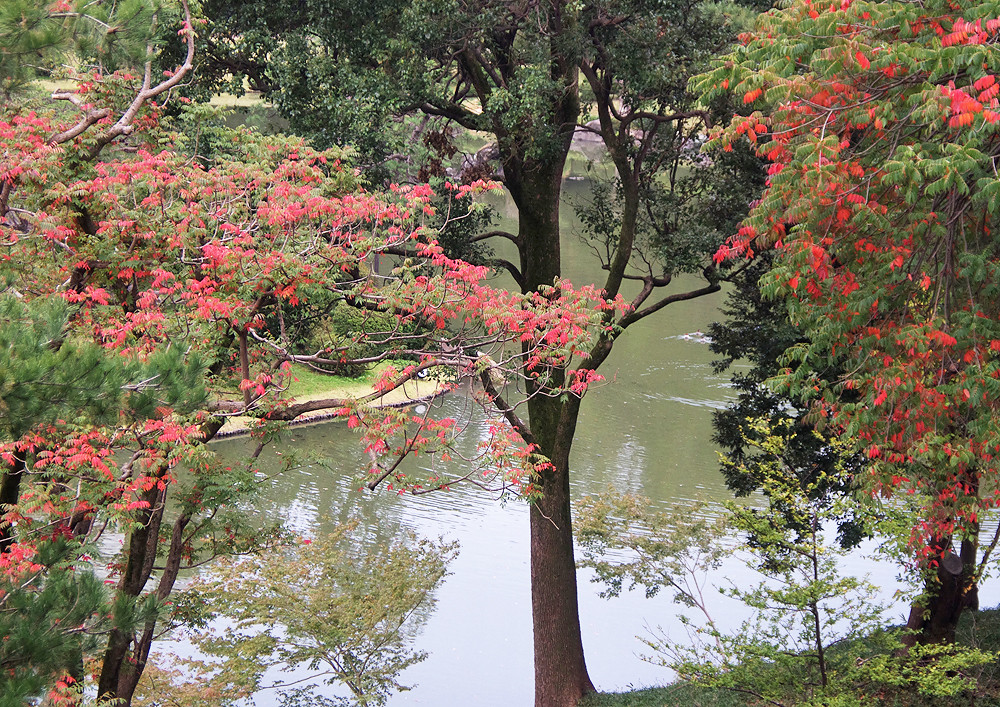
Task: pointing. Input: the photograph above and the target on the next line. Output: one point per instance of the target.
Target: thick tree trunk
(535, 184)
(561, 676)
(934, 617)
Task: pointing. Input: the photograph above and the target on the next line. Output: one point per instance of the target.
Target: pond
(646, 431)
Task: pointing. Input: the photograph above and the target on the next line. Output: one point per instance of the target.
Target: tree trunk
(127, 652)
(129, 681)
(142, 545)
(953, 588)
(10, 493)
(535, 185)
(561, 676)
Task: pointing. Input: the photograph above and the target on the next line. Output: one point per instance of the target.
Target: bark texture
(950, 591)
(561, 677)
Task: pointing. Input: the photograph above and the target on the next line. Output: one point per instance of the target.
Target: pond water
(646, 431)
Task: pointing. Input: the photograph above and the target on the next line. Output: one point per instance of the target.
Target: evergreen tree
(751, 343)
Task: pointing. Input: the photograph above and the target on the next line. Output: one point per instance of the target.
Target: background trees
(879, 120)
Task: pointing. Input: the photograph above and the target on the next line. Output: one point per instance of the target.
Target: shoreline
(412, 392)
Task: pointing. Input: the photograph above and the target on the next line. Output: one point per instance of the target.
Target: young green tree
(880, 121)
(815, 635)
(751, 342)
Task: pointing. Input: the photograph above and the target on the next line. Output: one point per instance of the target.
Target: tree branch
(516, 240)
(638, 314)
(124, 124)
(465, 118)
(514, 271)
(505, 409)
(666, 118)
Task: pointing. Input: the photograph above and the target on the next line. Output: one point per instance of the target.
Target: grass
(680, 694)
(980, 629)
(308, 382)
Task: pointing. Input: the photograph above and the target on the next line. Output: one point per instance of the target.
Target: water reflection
(646, 431)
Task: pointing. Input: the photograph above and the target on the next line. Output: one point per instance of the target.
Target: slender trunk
(142, 548)
(10, 492)
(245, 366)
(126, 654)
(128, 681)
(814, 605)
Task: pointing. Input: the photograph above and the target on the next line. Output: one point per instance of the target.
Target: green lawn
(310, 382)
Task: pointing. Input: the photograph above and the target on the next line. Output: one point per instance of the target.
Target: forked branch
(124, 124)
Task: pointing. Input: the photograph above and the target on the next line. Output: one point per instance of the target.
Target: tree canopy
(153, 291)
(880, 124)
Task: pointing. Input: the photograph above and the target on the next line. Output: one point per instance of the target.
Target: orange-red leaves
(984, 82)
(961, 121)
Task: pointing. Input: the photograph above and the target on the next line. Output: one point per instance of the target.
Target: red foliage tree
(189, 283)
(880, 120)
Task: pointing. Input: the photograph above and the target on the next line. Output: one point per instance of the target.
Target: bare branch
(505, 409)
(124, 126)
(514, 271)
(496, 234)
(671, 299)
(92, 116)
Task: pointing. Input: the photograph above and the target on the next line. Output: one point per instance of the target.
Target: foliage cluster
(880, 127)
(879, 121)
(151, 292)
